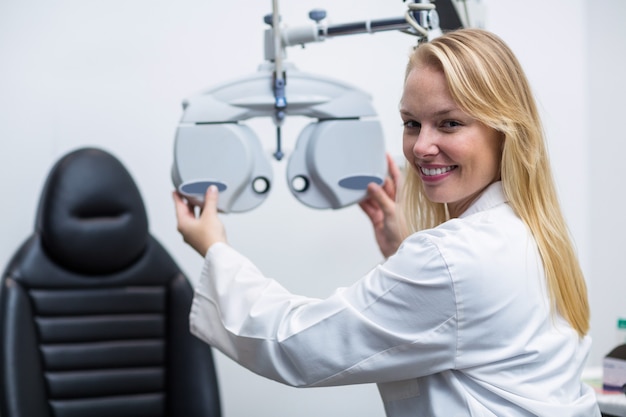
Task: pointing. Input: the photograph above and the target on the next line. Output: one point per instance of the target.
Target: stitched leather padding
(94, 311)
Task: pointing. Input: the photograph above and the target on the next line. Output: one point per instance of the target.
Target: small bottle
(614, 363)
(620, 333)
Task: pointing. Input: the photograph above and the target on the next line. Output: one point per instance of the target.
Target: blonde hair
(488, 83)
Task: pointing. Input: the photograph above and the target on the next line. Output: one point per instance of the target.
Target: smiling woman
(480, 308)
(113, 74)
(455, 155)
(487, 83)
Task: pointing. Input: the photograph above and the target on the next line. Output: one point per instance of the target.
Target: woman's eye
(450, 124)
(411, 124)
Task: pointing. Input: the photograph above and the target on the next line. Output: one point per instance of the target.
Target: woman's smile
(435, 173)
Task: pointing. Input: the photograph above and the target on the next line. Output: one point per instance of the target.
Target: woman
(480, 308)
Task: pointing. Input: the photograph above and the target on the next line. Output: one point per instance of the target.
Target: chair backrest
(94, 311)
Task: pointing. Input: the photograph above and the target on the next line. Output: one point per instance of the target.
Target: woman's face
(455, 155)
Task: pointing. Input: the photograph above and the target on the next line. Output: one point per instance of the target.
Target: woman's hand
(203, 231)
(380, 207)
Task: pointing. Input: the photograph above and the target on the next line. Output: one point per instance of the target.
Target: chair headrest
(91, 217)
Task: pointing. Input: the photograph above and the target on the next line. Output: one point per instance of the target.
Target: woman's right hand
(380, 207)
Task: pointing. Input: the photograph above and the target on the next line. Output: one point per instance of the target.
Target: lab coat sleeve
(388, 326)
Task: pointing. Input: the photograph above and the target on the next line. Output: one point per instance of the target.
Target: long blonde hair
(488, 83)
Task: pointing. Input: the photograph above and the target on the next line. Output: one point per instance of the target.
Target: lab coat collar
(492, 196)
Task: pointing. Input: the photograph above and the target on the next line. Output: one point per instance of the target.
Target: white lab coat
(456, 323)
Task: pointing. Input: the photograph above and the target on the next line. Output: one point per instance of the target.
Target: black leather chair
(94, 311)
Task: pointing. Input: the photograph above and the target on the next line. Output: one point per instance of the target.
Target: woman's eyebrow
(438, 113)
(444, 112)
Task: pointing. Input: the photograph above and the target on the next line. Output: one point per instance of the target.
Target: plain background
(113, 74)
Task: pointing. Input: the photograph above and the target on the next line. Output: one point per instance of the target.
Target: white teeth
(435, 171)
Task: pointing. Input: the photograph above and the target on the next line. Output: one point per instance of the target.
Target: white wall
(113, 74)
(606, 147)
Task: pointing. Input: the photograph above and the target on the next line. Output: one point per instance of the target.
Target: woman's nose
(426, 143)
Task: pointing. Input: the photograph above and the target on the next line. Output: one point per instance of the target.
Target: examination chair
(94, 311)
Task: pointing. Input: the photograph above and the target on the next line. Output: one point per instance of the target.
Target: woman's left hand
(205, 230)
